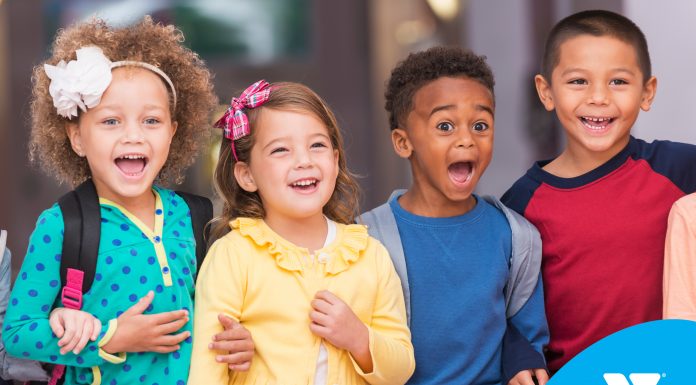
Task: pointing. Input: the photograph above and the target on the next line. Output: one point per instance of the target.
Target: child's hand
(74, 328)
(236, 340)
(334, 321)
(525, 377)
(138, 332)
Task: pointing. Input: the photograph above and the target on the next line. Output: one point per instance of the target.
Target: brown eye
(480, 126)
(445, 126)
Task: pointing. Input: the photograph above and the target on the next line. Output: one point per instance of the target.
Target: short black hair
(595, 23)
(420, 68)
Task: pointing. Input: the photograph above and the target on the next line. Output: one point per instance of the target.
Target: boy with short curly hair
(469, 266)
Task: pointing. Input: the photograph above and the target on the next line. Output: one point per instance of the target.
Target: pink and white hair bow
(235, 123)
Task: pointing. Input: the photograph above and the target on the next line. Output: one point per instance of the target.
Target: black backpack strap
(82, 221)
(201, 213)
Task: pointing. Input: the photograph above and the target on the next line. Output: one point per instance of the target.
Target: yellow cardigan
(267, 283)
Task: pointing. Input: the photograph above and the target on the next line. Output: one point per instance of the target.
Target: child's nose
(598, 94)
(133, 133)
(303, 159)
(464, 138)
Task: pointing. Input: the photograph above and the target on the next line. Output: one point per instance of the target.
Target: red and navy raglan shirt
(603, 236)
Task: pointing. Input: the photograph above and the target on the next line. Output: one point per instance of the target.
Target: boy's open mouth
(131, 164)
(596, 123)
(304, 184)
(461, 172)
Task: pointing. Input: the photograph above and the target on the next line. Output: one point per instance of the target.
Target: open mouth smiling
(131, 164)
(596, 123)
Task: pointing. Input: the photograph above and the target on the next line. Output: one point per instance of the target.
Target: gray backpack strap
(525, 262)
(3, 243)
(381, 225)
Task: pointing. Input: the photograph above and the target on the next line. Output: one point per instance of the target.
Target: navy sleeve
(676, 161)
(518, 354)
(526, 335)
(518, 196)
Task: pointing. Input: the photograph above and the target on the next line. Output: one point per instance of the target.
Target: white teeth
(305, 182)
(133, 157)
(588, 120)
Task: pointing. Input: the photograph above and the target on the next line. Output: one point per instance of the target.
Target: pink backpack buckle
(72, 291)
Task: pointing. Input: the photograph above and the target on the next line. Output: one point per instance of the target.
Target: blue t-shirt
(457, 270)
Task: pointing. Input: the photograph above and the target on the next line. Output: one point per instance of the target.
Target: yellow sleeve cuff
(114, 359)
(371, 343)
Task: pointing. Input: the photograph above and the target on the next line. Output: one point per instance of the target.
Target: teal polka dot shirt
(133, 259)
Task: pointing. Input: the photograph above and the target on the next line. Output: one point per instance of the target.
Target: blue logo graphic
(653, 353)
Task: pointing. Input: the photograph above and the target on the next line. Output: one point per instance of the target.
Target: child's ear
(242, 174)
(544, 91)
(402, 145)
(649, 91)
(73, 131)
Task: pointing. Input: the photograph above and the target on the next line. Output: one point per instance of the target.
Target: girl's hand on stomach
(333, 320)
(138, 332)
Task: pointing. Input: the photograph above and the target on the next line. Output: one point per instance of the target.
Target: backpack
(82, 221)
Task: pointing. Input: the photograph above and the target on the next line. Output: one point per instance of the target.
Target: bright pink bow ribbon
(235, 123)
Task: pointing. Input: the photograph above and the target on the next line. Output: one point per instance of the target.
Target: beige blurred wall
(671, 33)
(24, 191)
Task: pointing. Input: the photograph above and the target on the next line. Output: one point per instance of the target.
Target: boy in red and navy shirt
(601, 206)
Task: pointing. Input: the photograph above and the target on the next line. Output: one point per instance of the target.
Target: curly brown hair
(343, 204)
(149, 42)
(421, 68)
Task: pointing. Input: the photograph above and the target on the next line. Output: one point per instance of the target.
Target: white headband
(81, 82)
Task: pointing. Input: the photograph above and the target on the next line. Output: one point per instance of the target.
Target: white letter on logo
(636, 378)
(615, 379)
(644, 378)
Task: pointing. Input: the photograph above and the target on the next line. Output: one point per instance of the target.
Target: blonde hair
(147, 42)
(343, 204)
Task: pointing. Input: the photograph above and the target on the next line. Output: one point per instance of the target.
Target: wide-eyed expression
(449, 140)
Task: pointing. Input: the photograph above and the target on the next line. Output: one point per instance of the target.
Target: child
(601, 206)
(12, 368)
(680, 261)
(469, 266)
(129, 107)
(319, 296)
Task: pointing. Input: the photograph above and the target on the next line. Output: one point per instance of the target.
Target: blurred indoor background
(343, 49)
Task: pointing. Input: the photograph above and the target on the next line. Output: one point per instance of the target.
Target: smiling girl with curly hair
(119, 109)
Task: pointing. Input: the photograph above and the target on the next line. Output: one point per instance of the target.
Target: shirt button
(323, 257)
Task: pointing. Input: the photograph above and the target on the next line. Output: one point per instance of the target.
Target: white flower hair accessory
(79, 83)
(82, 82)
